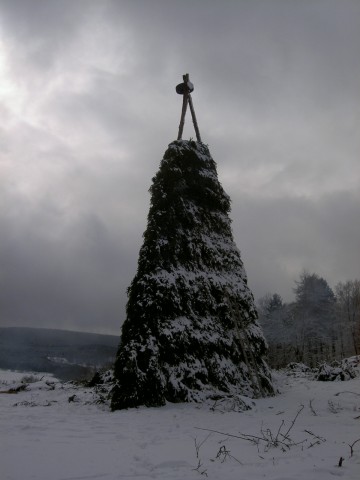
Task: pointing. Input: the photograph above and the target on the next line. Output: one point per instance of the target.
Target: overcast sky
(88, 107)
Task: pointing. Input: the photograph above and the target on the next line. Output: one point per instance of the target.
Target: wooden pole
(197, 131)
(183, 113)
(184, 106)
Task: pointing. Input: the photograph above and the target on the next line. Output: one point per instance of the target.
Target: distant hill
(68, 355)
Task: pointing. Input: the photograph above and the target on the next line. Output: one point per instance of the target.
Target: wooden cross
(185, 90)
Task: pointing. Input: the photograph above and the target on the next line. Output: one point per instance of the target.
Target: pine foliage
(191, 330)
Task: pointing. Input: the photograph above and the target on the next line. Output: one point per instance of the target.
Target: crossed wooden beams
(185, 90)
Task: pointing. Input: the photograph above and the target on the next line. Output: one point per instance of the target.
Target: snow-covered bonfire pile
(191, 331)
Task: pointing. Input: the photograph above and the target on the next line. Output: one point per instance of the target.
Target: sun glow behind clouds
(11, 94)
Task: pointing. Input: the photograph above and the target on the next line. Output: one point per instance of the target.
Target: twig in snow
(312, 408)
(199, 469)
(278, 432)
(352, 447)
(199, 445)
(317, 438)
(223, 454)
(267, 438)
(346, 391)
(293, 422)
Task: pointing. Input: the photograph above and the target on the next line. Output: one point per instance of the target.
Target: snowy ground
(46, 437)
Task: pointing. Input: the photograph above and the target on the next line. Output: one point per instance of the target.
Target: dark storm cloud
(42, 29)
(281, 236)
(88, 106)
(62, 272)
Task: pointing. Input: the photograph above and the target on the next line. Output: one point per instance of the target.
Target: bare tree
(348, 311)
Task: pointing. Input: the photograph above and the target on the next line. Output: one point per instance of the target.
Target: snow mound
(338, 371)
(46, 390)
(297, 369)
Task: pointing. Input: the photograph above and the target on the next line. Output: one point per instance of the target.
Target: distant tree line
(320, 325)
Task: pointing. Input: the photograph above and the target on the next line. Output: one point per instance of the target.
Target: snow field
(47, 437)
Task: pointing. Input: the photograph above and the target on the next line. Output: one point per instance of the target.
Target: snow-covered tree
(276, 320)
(191, 328)
(314, 313)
